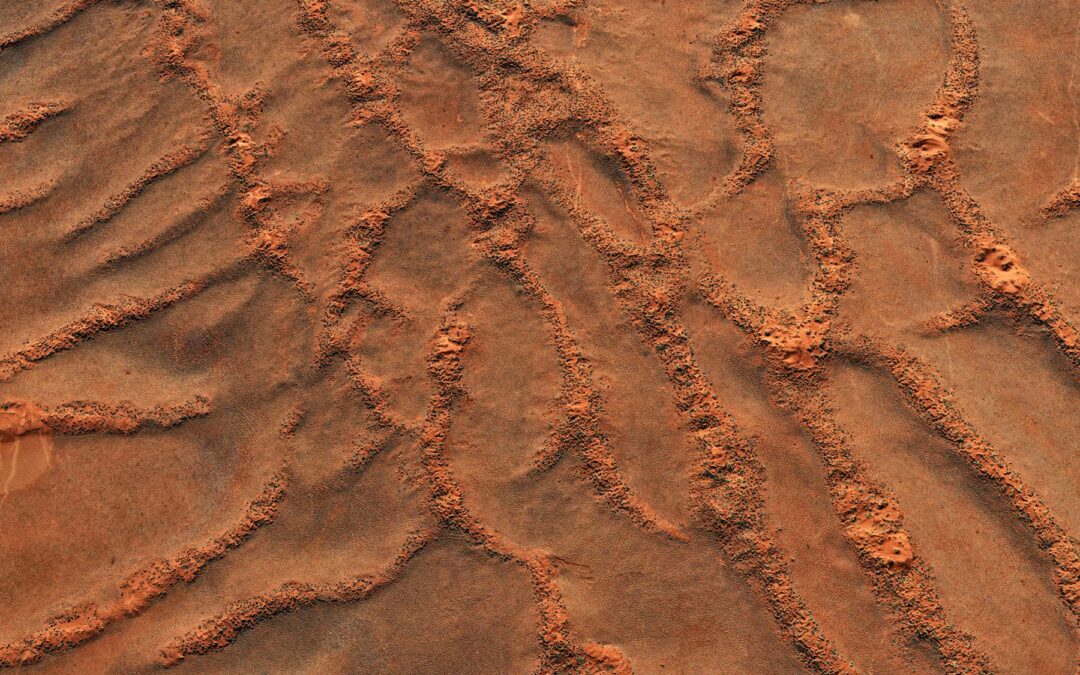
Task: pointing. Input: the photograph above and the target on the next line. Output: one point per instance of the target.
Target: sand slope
(507, 336)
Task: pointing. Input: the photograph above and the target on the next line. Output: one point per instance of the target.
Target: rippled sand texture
(559, 336)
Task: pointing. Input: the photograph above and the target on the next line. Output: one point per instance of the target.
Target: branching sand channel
(557, 336)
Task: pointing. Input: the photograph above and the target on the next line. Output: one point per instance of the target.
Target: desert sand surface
(540, 336)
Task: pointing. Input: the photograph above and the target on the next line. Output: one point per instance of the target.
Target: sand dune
(507, 336)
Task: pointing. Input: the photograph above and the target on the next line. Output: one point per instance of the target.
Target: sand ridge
(528, 112)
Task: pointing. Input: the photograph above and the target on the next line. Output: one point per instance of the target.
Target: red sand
(549, 336)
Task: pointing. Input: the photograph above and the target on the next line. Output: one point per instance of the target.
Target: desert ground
(540, 336)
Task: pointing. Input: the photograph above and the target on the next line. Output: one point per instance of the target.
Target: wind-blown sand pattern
(558, 336)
